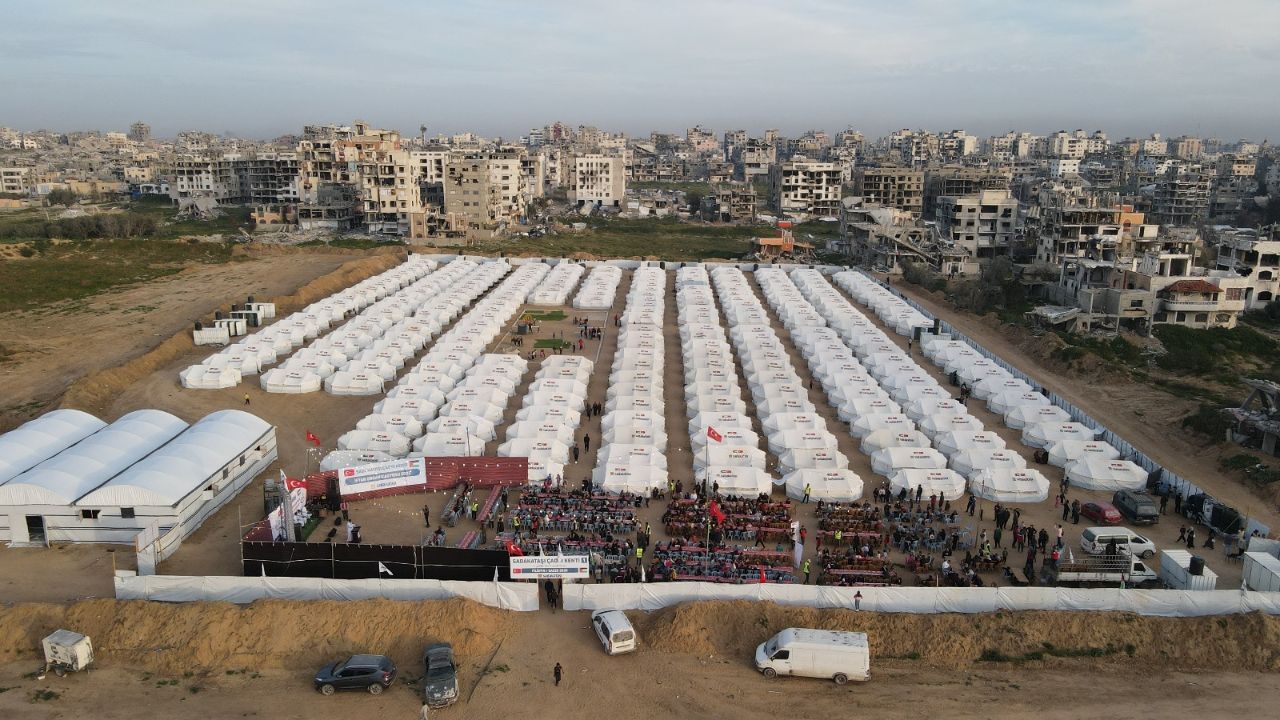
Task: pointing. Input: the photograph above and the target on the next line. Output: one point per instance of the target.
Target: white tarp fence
(919, 600)
(177, 588)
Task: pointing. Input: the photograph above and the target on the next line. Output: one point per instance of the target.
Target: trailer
(1180, 570)
(1099, 570)
(1261, 572)
(66, 651)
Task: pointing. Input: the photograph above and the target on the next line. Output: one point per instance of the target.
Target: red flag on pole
(716, 513)
(514, 550)
(711, 433)
(763, 579)
(311, 438)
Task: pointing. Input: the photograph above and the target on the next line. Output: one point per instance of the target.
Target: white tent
(354, 383)
(624, 454)
(715, 454)
(827, 485)
(633, 418)
(1046, 434)
(892, 459)
(934, 426)
(1034, 414)
(773, 406)
(1003, 403)
(1010, 486)
(431, 379)
(423, 410)
(999, 385)
(1065, 451)
(737, 481)
(854, 408)
(461, 408)
(784, 440)
(282, 380)
(935, 407)
(391, 443)
(656, 404)
(209, 377)
(793, 421)
(864, 425)
(967, 462)
(553, 414)
(407, 425)
(733, 436)
(637, 435)
(946, 483)
(480, 427)
(541, 430)
(1108, 475)
(812, 458)
(540, 468)
(699, 423)
(954, 441)
(339, 459)
(881, 439)
(549, 450)
(618, 478)
(449, 444)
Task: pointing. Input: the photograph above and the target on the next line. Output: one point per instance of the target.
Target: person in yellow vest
(807, 489)
(804, 568)
(639, 556)
(839, 536)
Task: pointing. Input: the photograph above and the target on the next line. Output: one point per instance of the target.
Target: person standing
(807, 489)
(557, 672)
(246, 398)
(1066, 508)
(1164, 503)
(586, 442)
(1075, 512)
(971, 505)
(805, 567)
(997, 535)
(426, 515)
(1177, 504)
(1191, 538)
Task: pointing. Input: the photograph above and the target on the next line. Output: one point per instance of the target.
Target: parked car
(440, 683)
(1123, 541)
(841, 656)
(1103, 513)
(1137, 507)
(614, 630)
(358, 672)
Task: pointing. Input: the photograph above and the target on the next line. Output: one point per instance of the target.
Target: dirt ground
(219, 661)
(54, 347)
(1146, 417)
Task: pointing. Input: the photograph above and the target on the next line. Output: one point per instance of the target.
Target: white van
(614, 630)
(841, 656)
(1094, 541)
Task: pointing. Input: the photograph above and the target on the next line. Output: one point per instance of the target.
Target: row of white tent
(632, 453)
(369, 350)
(451, 401)
(598, 289)
(545, 428)
(558, 284)
(1087, 463)
(226, 367)
(734, 464)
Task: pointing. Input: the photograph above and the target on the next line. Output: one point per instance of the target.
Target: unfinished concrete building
(960, 181)
(985, 223)
(597, 180)
(730, 204)
(1181, 197)
(896, 187)
(806, 187)
(485, 191)
(223, 179)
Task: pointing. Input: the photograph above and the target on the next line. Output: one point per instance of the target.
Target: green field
(552, 343)
(624, 238)
(147, 218)
(547, 315)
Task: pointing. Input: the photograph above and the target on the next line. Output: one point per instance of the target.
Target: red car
(1103, 513)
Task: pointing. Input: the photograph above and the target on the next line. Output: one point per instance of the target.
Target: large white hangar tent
(183, 482)
(42, 438)
(38, 506)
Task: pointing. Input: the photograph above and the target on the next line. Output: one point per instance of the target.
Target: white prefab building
(42, 438)
(38, 506)
(183, 482)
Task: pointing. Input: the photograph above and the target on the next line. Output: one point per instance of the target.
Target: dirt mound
(203, 636)
(1239, 642)
(94, 393)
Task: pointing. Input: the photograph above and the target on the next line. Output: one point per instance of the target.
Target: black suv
(358, 672)
(1137, 507)
(440, 684)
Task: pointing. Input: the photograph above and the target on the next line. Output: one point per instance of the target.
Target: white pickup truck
(1109, 570)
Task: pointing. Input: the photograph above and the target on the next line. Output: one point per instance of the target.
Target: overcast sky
(261, 68)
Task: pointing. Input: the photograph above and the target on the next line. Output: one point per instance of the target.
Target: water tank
(1197, 565)
(217, 314)
(250, 299)
(199, 325)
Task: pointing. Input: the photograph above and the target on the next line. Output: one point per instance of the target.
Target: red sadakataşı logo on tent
(349, 472)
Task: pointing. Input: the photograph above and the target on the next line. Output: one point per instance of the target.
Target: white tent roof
(812, 458)
(734, 436)
(541, 467)
(699, 423)
(352, 458)
(1034, 414)
(934, 425)
(633, 418)
(1046, 434)
(856, 407)
(542, 430)
(65, 477)
(1010, 486)
(967, 462)
(1002, 403)
(284, 380)
(480, 427)
(461, 408)
(892, 459)
(209, 377)
(934, 407)
(793, 421)
(864, 425)
(715, 404)
(1065, 451)
(356, 383)
(739, 481)
(946, 483)
(449, 443)
(184, 464)
(655, 404)
(1108, 475)
(715, 454)
(617, 478)
(389, 442)
(407, 425)
(996, 386)
(881, 439)
(783, 440)
(954, 441)
(828, 485)
(38, 440)
(628, 454)
(424, 410)
(547, 450)
(548, 413)
(775, 405)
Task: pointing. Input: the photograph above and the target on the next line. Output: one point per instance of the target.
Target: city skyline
(1127, 68)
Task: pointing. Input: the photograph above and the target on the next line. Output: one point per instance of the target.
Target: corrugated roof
(1192, 286)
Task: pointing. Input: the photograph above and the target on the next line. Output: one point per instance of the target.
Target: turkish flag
(711, 433)
(514, 550)
(311, 438)
(716, 513)
(295, 484)
(763, 579)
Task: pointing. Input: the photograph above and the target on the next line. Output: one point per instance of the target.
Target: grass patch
(624, 238)
(1204, 352)
(547, 315)
(1241, 461)
(1209, 420)
(552, 343)
(73, 271)
(44, 695)
(356, 243)
(1051, 650)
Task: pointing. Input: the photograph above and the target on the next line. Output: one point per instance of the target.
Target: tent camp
(866, 424)
(38, 440)
(881, 439)
(967, 462)
(949, 443)
(47, 492)
(1034, 414)
(948, 484)
(183, 482)
(812, 459)
(1108, 475)
(1010, 486)
(1004, 403)
(1065, 451)
(1046, 434)
(889, 461)
(934, 426)
(407, 425)
(826, 485)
